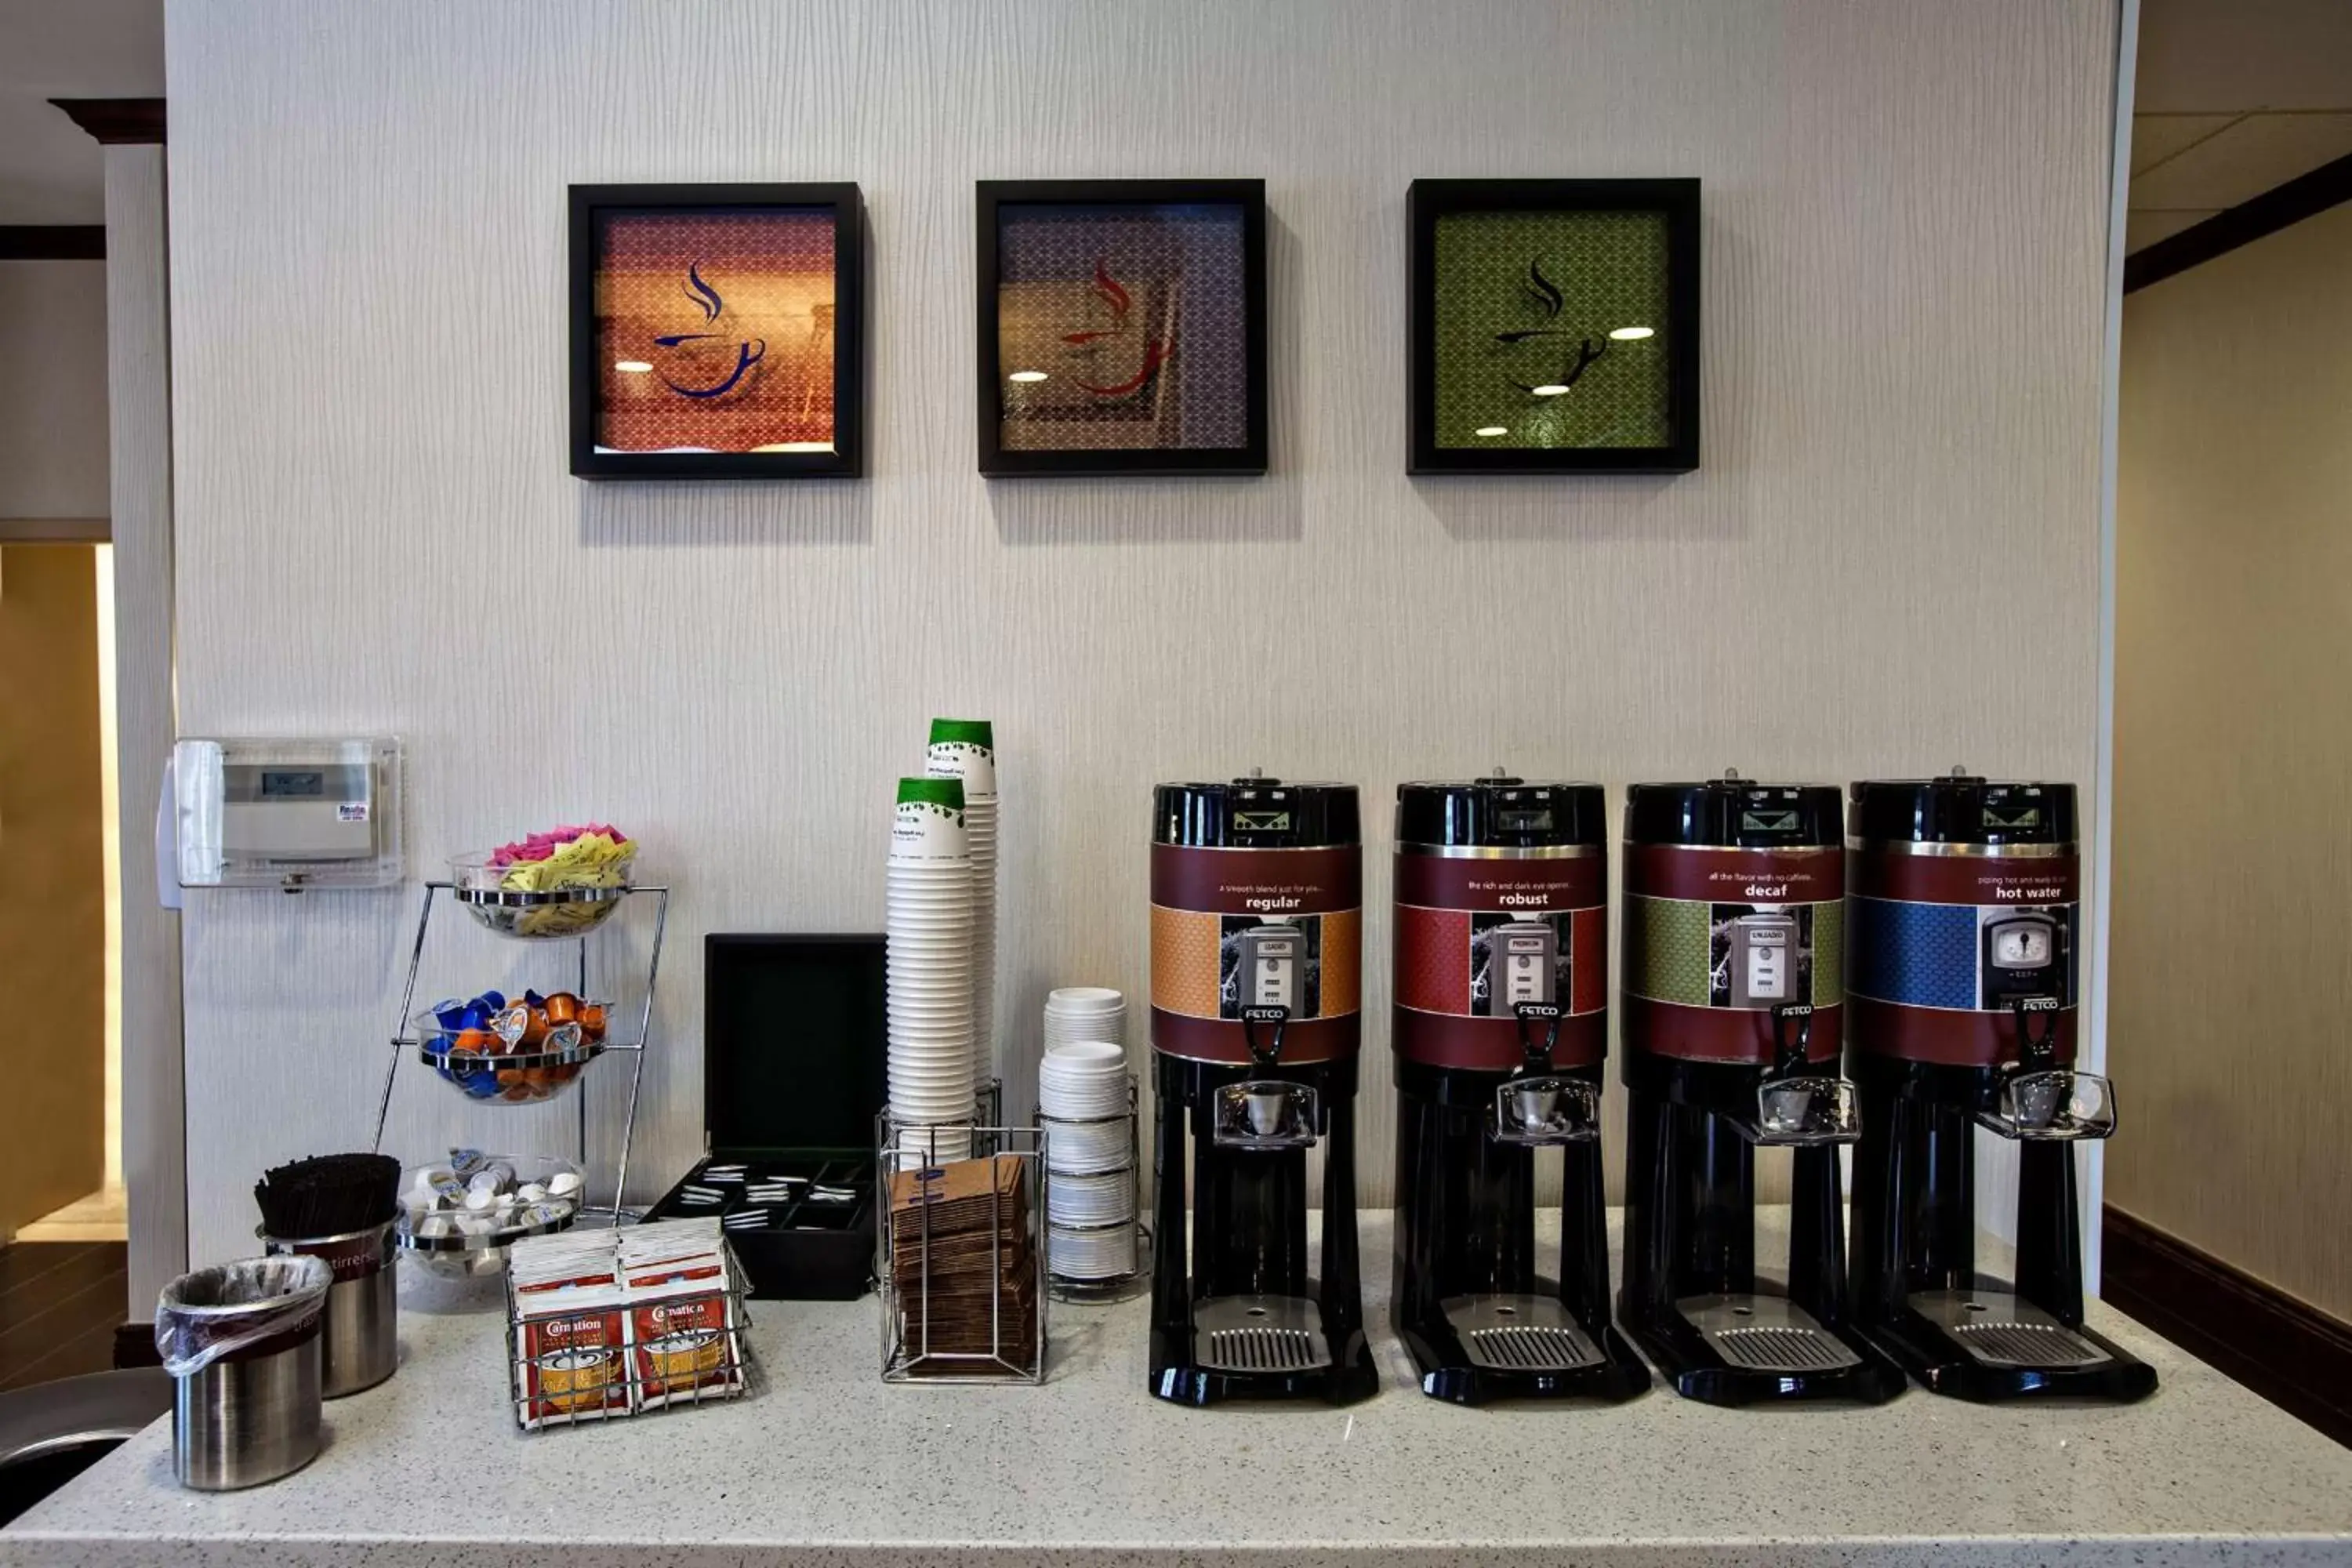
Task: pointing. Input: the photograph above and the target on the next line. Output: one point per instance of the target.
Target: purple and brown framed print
(716, 332)
(1122, 327)
(1554, 326)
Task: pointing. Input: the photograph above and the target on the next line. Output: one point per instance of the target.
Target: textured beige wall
(1904, 231)
(2233, 973)
(52, 389)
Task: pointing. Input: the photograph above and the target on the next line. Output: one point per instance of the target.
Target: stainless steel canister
(242, 1342)
(361, 1341)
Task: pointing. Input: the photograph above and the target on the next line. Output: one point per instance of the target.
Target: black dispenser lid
(1500, 812)
(795, 1042)
(1732, 812)
(1960, 808)
(1255, 813)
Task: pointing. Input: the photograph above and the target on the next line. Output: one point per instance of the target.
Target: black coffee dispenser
(1501, 1023)
(1730, 1013)
(1257, 970)
(1965, 914)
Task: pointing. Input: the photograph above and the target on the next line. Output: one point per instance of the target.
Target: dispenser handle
(2036, 1052)
(1252, 1017)
(1538, 1059)
(1790, 1056)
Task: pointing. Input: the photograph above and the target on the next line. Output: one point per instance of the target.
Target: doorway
(60, 895)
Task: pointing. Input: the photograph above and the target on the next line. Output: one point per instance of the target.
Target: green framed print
(1554, 326)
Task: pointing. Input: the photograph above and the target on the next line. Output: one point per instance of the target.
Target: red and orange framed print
(1122, 327)
(716, 332)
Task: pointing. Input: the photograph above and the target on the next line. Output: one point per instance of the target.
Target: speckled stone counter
(825, 1466)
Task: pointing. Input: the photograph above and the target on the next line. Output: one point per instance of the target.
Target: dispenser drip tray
(1520, 1334)
(1259, 1333)
(2001, 1330)
(1766, 1333)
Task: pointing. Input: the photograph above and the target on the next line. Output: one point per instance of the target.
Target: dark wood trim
(134, 1345)
(52, 242)
(2273, 210)
(117, 122)
(2290, 1353)
(56, 531)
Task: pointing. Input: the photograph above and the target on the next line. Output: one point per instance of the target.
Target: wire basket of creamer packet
(605, 1323)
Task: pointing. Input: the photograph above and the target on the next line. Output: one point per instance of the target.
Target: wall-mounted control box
(289, 813)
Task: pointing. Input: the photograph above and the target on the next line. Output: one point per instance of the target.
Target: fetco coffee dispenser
(1501, 1025)
(1257, 967)
(1730, 1019)
(1966, 920)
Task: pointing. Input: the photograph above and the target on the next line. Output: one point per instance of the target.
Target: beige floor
(101, 1217)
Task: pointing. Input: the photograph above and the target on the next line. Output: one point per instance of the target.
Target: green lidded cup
(928, 824)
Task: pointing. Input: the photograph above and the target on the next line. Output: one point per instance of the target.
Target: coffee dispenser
(1729, 1016)
(1501, 1025)
(1256, 967)
(1965, 915)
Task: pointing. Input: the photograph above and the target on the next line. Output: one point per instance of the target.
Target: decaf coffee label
(1718, 939)
(1948, 948)
(1477, 938)
(1239, 934)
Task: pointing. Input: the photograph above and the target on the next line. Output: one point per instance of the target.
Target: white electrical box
(289, 813)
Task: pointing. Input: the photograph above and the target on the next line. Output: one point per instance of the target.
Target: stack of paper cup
(965, 750)
(929, 926)
(1079, 1013)
(1085, 1098)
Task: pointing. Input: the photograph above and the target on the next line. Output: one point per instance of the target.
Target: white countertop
(826, 1466)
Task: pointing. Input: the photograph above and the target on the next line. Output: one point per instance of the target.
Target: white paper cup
(964, 748)
(928, 822)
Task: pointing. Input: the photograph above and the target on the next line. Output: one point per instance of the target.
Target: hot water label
(1948, 947)
(1717, 940)
(1237, 933)
(1478, 937)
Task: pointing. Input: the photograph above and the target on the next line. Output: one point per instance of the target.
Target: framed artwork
(718, 332)
(1554, 326)
(1122, 327)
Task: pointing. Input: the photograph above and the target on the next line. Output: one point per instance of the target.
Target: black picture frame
(997, 461)
(847, 459)
(1428, 201)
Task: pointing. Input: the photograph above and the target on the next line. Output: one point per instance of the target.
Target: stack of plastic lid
(1086, 1101)
(1076, 1014)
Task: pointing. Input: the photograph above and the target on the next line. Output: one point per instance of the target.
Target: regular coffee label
(1718, 940)
(1243, 936)
(1479, 938)
(1948, 948)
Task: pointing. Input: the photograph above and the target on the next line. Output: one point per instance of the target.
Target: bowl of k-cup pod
(512, 1052)
(458, 1215)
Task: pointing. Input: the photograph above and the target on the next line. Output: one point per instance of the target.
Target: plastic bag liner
(215, 1313)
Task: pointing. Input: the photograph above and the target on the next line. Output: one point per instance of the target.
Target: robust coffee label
(1239, 933)
(1478, 938)
(1948, 947)
(1716, 940)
